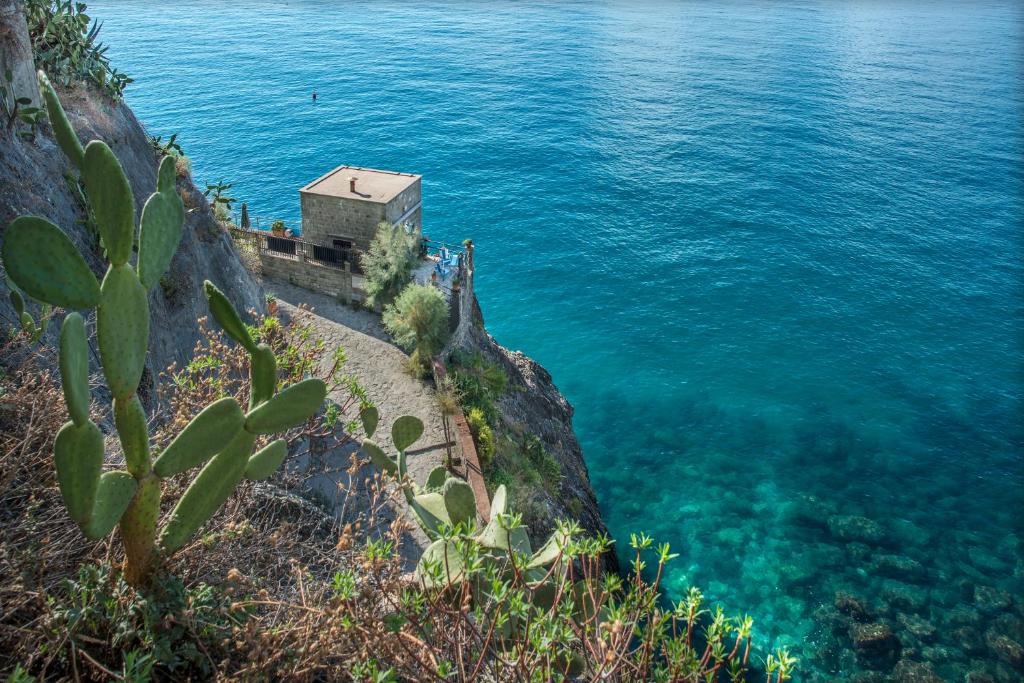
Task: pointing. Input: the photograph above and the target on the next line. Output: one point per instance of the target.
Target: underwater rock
(875, 643)
(808, 511)
(969, 640)
(907, 671)
(831, 619)
(939, 654)
(963, 614)
(906, 533)
(868, 677)
(991, 599)
(1005, 648)
(856, 528)
(904, 596)
(979, 676)
(898, 567)
(796, 574)
(922, 629)
(852, 606)
(982, 559)
(858, 552)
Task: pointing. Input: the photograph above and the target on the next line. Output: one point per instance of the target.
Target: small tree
(418, 322)
(389, 262)
(221, 203)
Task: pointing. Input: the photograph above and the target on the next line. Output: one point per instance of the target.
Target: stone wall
(324, 279)
(324, 217)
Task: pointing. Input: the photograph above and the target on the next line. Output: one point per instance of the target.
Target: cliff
(36, 178)
(533, 405)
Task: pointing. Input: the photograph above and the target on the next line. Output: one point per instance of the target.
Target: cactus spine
(43, 262)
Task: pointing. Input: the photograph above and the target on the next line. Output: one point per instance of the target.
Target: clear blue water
(772, 252)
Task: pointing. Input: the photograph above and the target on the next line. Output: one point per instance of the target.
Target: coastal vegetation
(64, 43)
(389, 262)
(249, 580)
(418, 322)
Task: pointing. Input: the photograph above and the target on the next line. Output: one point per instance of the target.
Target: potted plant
(271, 304)
(277, 227)
(456, 284)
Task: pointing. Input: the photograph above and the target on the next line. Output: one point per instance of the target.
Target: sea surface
(771, 251)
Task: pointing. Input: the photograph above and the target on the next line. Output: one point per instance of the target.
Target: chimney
(352, 184)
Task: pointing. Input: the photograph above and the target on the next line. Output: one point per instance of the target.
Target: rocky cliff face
(36, 178)
(534, 405)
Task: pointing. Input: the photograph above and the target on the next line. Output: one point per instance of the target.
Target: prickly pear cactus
(445, 508)
(43, 262)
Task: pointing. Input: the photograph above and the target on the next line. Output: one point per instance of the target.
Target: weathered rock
(987, 562)
(852, 606)
(1005, 648)
(32, 181)
(898, 567)
(991, 599)
(969, 640)
(875, 643)
(963, 614)
(922, 629)
(831, 619)
(979, 676)
(903, 596)
(907, 671)
(856, 528)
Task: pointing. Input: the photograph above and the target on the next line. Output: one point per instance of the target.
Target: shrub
(479, 382)
(389, 262)
(483, 435)
(485, 604)
(418, 322)
(64, 45)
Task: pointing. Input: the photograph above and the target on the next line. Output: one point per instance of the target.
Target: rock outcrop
(36, 178)
(534, 405)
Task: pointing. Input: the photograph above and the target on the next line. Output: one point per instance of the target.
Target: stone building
(343, 208)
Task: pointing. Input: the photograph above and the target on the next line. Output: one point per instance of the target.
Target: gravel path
(377, 363)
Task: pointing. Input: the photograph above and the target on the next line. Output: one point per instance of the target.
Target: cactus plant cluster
(41, 259)
(445, 508)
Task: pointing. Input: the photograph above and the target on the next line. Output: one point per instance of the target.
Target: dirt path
(379, 366)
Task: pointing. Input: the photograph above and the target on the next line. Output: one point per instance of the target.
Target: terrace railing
(268, 244)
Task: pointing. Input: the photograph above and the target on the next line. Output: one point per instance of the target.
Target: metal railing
(269, 244)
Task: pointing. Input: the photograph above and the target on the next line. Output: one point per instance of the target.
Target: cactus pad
(78, 454)
(262, 374)
(406, 431)
(122, 325)
(159, 236)
(369, 415)
(227, 317)
(45, 264)
(113, 496)
(460, 502)
(289, 408)
(167, 175)
(266, 461)
(74, 367)
(111, 199)
(62, 130)
(379, 458)
(207, 434)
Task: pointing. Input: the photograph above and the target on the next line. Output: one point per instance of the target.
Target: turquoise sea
(771, 251)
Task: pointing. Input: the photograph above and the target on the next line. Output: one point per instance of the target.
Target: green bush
(64, 45)
(479, 383)
(168, 629)
(483, 435)
(418, 322)
(389, 262)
